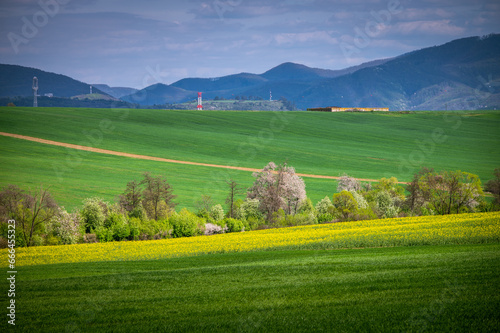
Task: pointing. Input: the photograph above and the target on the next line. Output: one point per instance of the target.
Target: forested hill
(17, 81)
(463, 74)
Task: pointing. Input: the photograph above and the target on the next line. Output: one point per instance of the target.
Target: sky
(131, 43)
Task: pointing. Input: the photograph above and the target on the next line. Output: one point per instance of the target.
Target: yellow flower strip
(448, 229)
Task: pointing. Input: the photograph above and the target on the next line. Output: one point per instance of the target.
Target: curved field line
(152, 158)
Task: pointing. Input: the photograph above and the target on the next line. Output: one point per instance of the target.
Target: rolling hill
(462, 74)
(116, 92)
(17, 81)
(363, 145)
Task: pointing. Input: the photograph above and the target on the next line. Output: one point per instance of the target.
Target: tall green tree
(345, 205)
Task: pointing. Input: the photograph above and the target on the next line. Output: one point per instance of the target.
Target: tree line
(146, 208)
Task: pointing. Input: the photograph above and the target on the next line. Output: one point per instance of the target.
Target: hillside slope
(17, 81)
(462, 74)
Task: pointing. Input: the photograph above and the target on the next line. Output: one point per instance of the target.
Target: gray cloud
(119, 42)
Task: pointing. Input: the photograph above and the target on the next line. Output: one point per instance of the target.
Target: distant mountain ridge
(17, 81)
(461, 74)
(116, 92)
(285, 80)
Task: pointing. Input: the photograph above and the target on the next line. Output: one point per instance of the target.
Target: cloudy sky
(138, 43)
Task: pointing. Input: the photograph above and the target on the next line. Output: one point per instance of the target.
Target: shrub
(234, 225)
(134, 225)
(163, 229)
(360, 200)
(52, 240)
(345, 205)
(213, 229)
(90, 238)
(104, 234)
(138, 212)
(325, 218)
(216, 213)
(385, 205)
(253, 223)
(249, 208)
(66, 226)
(299, 219)
(323, 206)
(3, 242)
(306, 206)
(93, 213)
(37, 240)
(185, 224)
(121, 230)
(365, 214)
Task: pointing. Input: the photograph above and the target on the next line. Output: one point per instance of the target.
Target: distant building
(48, 95)
(339, 109)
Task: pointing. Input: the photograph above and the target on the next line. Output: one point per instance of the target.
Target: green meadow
(73, 175)
(434, 288)
(446, 288)
(363, 145)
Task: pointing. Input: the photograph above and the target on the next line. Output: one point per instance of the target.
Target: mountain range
(461, 74)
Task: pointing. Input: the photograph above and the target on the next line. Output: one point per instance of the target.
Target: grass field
(440, 288)
(364, 145)
(436, 274)
(30, 165)
(302, 279)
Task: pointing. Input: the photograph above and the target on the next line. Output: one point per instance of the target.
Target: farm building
(338, 109)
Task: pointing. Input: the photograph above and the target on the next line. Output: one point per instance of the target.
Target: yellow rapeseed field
(448, 229)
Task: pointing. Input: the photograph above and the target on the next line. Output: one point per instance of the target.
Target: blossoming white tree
(278, 187)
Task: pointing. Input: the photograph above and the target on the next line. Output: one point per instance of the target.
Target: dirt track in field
(152, 158)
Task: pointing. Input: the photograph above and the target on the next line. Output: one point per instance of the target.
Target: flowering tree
(277, 187)
(349, 184)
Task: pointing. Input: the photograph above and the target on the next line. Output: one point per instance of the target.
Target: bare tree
(493, 186)
(234, 190)
(156, 190)
(131, 198)
(29, 210)
(450, 191)
(416, 199)
(204, 204)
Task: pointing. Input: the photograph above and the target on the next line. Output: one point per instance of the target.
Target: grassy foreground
(419, 274)
(440, 288)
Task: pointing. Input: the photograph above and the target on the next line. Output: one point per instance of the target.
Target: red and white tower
(200, 105)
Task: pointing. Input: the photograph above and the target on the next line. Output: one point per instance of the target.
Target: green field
(437, 288)
(452, 288)
(364, 145)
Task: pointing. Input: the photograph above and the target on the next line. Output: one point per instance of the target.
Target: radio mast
(200, 105)
(35, 92)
